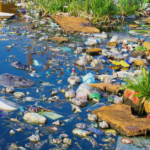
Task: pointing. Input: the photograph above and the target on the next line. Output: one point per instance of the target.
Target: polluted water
(49, 86)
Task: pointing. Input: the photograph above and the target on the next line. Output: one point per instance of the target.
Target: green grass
(98, 9)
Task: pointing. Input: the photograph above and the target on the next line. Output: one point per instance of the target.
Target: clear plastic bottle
(114, 39)
(100, 35)
(92, 41)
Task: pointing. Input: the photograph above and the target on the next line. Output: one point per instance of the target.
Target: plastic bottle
(114, 39)
(92, 41)
(100, 35)
(96, 40)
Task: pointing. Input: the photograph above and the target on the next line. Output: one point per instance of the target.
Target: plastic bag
(123, 74)
(81, 95)
(65, 49)
(95, 96)
(70, 94)
(78, 102)
(74, 78)
(82, 62)
(95, 106)
(118, 99)
(86, 88)
(108, 80)
(89, 78)
(110, 99)
(36, 63)
(97, 63)
(96, 131)
(75, 108)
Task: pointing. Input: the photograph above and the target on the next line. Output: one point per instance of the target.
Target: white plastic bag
(89, 78)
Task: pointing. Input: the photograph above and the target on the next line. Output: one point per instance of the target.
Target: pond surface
(59, 67)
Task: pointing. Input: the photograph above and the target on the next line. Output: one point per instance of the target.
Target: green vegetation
(141, 85)
(140, 48)
(129, 7)
(96, 10)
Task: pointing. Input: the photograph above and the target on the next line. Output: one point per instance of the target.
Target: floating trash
(96, 131)
(64, 49)
(7, 105)
(51, 115)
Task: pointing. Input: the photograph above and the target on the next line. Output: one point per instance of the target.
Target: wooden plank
(75, 24)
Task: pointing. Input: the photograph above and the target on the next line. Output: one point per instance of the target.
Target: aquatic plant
(97, 10)
(140, 48)
(129, 7)
(102, 9)
(141, 85)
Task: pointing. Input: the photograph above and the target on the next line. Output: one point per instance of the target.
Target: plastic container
(122, 63)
